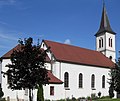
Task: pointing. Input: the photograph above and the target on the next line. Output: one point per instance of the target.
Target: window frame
(92, 81)
(80, 80)
(52, 92)
(66, 80)
(103, 81)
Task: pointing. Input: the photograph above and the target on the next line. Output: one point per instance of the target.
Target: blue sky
(72, 21)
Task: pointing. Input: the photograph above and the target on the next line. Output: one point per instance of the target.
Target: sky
(73, 22)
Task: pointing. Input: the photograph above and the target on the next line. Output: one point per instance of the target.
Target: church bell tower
(105, 37)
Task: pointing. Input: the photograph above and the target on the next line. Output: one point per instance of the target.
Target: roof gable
(77, 55)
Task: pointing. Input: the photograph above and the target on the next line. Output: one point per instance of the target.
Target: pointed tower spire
(104, 25)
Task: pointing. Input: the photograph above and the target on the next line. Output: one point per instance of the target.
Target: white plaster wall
(97, 42)
(60, 93)
(74, 71)
(87, 71)
(108, 35)
(57, 69)
(106, 50)
(110, 51)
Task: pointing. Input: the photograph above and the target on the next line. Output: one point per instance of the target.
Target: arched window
(103, 81)
(80, 80)
(93, 81)
(100, 42)
(110, 42)
(66, 79)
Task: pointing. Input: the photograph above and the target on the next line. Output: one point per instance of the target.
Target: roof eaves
(64, 61)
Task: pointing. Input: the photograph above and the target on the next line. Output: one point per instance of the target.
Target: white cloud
(7, 2)
(67, 41)
(7, 37)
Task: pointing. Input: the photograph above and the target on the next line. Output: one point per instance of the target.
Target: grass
(108, 99)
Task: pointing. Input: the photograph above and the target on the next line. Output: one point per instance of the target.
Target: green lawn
(108, 99)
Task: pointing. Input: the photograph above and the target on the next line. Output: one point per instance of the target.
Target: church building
(73, 71)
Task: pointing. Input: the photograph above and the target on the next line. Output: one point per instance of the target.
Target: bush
(61, 100)
(88, 97)
(73, 99)
(80, 98)
(47, 100)
(105, 97)
(2, 99)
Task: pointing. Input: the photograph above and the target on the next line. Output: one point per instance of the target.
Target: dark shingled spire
(104, 25)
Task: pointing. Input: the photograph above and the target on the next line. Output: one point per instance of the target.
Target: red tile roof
(53, 79)
(73, 54)
(77, 55)
(8, 54)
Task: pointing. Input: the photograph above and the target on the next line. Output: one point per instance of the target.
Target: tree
(1, 93)
(111, 83)
(27, 68)
(40, 96)
(117, 77)
(114, 80)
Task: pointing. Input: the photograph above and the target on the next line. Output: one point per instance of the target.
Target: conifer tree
(114, 80)
(40, 94)
(117, 77)
(1, 93)
(27, 68)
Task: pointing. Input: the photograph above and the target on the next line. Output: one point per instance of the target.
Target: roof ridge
(75, 54)
(71, 45)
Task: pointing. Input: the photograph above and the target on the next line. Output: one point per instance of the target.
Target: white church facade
(75, 71)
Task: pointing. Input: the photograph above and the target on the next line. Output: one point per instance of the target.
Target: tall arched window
(110, 42)
(100, 42)
(93, 81)
(80, 80)
(66, 79)
(103, 81)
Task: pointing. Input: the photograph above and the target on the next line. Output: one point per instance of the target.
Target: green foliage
(61, 100)
(2, 99)
(88, 97)
(114, 80)
(111, 82)
(40, 96)
(73, 99)
(117, 77)
(105, 97)
(47, 100)
(1, 93)
(27, 66)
